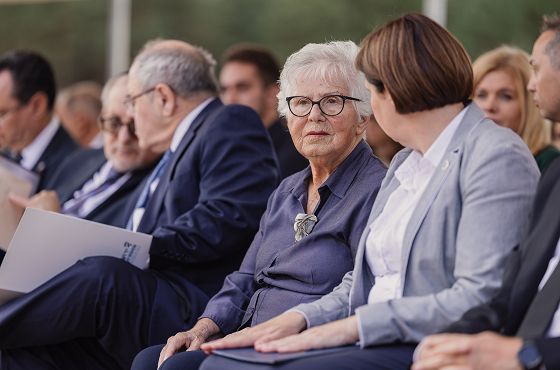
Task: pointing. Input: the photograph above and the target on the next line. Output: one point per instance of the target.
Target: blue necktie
(145, 195)
(74, 208)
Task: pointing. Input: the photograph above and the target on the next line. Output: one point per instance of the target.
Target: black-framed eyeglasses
(113, 125)
(330, 105)
(129, 100)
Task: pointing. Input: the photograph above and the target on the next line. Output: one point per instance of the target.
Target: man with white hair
(201, 203)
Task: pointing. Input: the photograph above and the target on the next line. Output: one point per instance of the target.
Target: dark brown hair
(261, 58)
(419, 62)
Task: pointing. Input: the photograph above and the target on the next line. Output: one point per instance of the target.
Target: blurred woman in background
(500, 89)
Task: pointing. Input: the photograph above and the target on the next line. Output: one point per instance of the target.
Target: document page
(46, 243)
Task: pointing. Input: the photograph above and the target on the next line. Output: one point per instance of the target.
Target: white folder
(19, 181)
(47, 243)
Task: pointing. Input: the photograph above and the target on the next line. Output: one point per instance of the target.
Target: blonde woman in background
(500, 89)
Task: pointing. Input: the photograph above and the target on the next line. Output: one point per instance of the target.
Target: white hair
(111, 82)
(187, 69)
(330, 62)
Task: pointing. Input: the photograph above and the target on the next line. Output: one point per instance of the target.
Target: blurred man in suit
(28, 128)
(202, 204)
(249, 76)
(78, 107)
(526, 312)
(97, 184)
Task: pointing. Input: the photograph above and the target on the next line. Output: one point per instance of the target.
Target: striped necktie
(73, 206)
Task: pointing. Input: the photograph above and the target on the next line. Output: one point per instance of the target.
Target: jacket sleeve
(331, 307)
(490, 315)
(494, 314)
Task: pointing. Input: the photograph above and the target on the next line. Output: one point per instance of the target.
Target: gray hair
(187, 69)
(109, 85)
(330, 62)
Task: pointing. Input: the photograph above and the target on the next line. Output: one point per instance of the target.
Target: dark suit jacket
(78, 169)
(60, 148)
(525, 269)
(206, 209)
(289, 159)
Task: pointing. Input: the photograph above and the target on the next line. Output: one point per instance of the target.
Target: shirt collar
(437, 150)
(186, 124)
(97, 141)
(33, 152)
(341, 179)
(416, 164)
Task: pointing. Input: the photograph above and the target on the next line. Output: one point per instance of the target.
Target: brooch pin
(304, 224)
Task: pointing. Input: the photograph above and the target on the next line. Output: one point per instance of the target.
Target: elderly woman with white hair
(309, 233)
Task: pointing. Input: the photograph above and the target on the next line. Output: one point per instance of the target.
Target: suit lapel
(42, 162)
(538, 249)
(151, 214)
(83, 171)
(450, 160)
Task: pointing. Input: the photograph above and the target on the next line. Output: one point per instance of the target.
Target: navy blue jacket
(206, 208)
(61, 147)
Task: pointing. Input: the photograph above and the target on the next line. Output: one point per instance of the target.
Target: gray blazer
(475, 209)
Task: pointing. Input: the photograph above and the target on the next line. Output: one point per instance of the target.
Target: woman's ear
(362, 125)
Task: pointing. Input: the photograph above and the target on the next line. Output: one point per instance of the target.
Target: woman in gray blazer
(453, 204)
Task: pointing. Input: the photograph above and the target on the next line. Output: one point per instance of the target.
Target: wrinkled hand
(442, 351)
(281, 326)
(45, 200)
(334, 334)
(189, 340)
(485, 351)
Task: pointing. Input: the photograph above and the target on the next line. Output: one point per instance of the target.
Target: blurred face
(545, 80)
(121, 146)
(320, 137)
(497, 96)
(240, 83)
(13, 115)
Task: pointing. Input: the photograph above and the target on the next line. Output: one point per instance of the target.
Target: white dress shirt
(178, 135)
(385, 239)
(554, 329)
(97, 180)
(30, 154)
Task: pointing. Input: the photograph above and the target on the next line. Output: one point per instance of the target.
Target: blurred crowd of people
(393, 195)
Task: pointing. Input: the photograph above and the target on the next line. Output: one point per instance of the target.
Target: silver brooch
(304, 224)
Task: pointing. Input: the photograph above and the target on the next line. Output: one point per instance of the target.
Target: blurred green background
(74, 36)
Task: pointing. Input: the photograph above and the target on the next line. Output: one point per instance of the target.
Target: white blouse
(386, 233)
